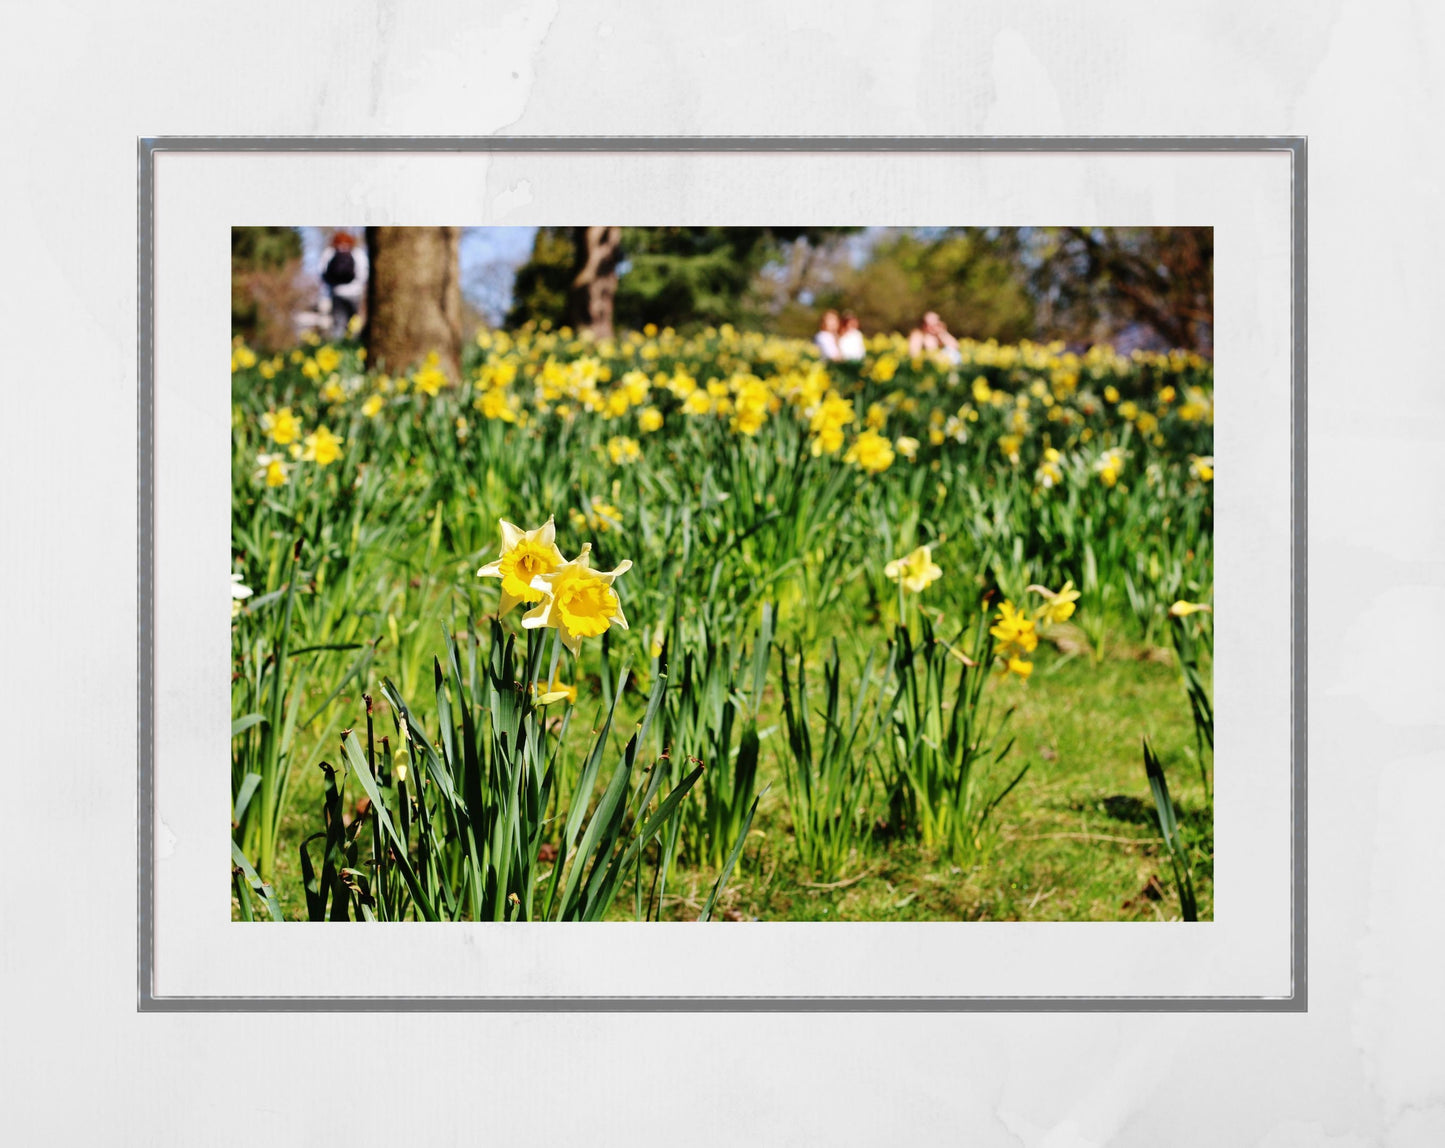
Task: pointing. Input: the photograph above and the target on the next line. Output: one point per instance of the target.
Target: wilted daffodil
(578, 601)
(1058, 607)
(915, 571)
(526, 554)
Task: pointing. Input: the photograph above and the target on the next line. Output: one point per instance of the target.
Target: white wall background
(80, 81)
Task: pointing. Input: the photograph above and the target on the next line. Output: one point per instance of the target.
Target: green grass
(1076, 840)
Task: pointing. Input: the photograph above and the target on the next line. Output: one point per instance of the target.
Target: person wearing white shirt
(851, 347)
(827, 336)
(932, 337)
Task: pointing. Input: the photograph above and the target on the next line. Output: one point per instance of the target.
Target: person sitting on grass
(851, 347)
(827, 336)
(931, 336)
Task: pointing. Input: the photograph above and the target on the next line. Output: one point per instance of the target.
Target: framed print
(723, 574)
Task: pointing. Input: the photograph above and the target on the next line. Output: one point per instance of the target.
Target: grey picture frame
(149, 1001)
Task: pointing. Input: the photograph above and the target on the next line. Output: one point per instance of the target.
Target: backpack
(341, 269)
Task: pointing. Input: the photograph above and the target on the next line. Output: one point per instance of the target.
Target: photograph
(738, 574)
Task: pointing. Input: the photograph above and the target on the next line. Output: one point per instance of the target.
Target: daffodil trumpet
(526, 555)
(578, 601)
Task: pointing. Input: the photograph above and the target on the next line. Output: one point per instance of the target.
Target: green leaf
(249, 785)
(242, 724)
(732, 860)
(356, 760)
(259, 887)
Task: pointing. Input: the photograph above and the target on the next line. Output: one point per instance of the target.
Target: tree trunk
(594, 287)
(414, 298)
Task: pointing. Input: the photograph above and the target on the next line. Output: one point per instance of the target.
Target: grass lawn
(1075, 840)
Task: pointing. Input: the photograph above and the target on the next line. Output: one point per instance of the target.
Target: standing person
(851, 347)
(932, 336)
(344, 269)
(827, 336)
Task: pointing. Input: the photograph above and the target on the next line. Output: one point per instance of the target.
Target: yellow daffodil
(372, 407)
(1014, 630)
(497, 404)
(526, 555)
(907, 446)
(884, 368)
(282, 426)
(1201, 468)
(1020, 666)
(598, 515)
(1050, 474)
(649, 420)
(327, 359)
(577, 601)
(1058, 606)
(1109, 464)
(636, 386)
(554, 691)
(322, 447)
(1182, 609)
(272, 469)
(916, 571)
(623, 450)
(429, 378)
(871, 451)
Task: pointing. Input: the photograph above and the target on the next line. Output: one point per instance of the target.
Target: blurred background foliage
(1149, 288)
